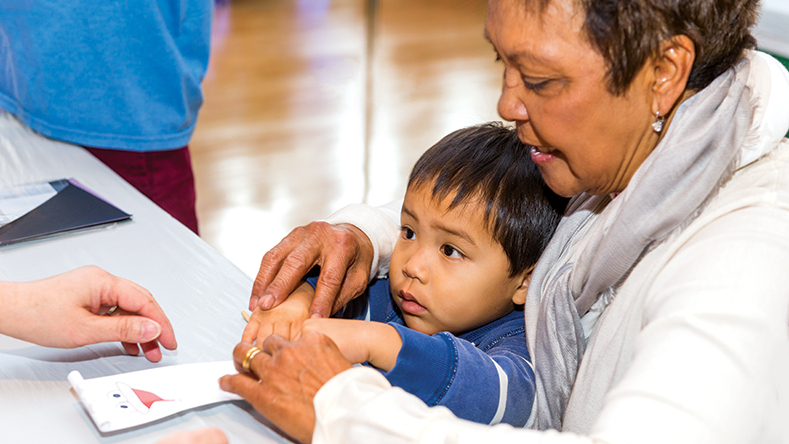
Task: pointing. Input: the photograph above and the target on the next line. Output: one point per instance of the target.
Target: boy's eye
(450, 251)
(408, 233)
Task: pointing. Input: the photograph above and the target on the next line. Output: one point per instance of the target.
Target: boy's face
(447, 272)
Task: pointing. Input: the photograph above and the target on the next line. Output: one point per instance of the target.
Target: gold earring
(658, 124)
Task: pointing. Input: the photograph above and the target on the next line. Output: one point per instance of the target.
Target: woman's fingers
(344, 253)
(283, 267)
(240, 355)
(284, 377)
(345, 270)
(134, 332)
(151, 351)
(134, 299)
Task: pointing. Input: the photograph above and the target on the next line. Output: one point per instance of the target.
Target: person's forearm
(11, 318)
(383, 343)
(360, 341)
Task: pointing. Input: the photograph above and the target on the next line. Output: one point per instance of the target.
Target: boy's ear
(519, 297)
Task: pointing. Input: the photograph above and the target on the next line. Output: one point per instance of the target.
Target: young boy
(447, 328)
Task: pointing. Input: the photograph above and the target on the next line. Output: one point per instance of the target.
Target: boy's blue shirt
(465, 373)
(123, 75)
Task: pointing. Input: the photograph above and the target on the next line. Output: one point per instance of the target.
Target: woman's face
(585, 138)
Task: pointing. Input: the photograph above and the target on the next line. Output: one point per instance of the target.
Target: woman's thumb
(132, 329)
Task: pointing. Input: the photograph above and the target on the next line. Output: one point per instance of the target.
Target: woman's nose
(510, 106)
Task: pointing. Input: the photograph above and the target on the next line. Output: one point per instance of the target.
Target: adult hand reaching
(205, 435)
(343, 252)
(71, 310)
(281, 381)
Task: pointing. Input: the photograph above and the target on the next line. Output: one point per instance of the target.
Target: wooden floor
(314, 104)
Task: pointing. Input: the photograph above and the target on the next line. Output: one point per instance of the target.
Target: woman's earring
(658, 125)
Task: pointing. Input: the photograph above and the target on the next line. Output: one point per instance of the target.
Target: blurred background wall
(314, 104)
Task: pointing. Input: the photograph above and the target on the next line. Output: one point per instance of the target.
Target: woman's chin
(560, 183)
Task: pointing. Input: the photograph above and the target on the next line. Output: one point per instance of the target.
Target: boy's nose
(415, 268)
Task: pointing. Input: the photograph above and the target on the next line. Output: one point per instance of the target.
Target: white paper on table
(130, 399)
(16, 202)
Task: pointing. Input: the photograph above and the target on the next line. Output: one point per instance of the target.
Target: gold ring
(248, 358)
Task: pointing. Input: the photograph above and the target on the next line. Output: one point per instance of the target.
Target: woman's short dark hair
(627, 32)
(489, 164)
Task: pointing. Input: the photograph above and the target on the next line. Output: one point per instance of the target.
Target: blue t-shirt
(106, 74)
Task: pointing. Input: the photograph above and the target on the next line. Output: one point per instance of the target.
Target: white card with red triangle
(126, 400)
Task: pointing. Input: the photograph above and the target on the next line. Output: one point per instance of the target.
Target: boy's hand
(285, 320)
(360, 341)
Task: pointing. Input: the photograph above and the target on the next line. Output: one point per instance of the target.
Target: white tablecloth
(201, 292)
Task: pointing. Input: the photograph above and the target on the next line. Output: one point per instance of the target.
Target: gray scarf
(696, 156)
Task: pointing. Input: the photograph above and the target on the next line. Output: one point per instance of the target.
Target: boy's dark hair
(489, 162)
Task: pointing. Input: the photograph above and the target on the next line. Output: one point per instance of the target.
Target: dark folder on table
(72, 208)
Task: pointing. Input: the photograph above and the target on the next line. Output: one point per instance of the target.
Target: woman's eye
(408, 233)
(534, 86)
(450, 251)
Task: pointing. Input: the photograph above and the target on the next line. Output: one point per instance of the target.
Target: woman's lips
(542, 155)
(409, 305)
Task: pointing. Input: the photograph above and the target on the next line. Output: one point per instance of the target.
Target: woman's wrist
(10, 317)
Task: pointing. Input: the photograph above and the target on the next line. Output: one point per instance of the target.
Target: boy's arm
(285, 320)
(492, 386)
(360, 341)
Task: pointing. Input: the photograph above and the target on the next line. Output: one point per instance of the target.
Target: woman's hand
(284, 378)
(343, 252)
(205, 435)
(70, 310)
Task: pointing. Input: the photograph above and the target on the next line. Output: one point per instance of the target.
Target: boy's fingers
(252, 329)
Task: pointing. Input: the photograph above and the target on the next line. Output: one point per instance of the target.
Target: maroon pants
(164, 176)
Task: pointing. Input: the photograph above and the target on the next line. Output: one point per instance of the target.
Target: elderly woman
(659, 311)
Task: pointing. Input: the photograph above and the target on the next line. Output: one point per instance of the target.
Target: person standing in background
(121, 79)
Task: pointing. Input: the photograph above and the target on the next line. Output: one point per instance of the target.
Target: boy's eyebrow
(459, 234)
(409, 213)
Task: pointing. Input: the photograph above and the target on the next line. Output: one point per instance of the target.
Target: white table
(201, 292)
